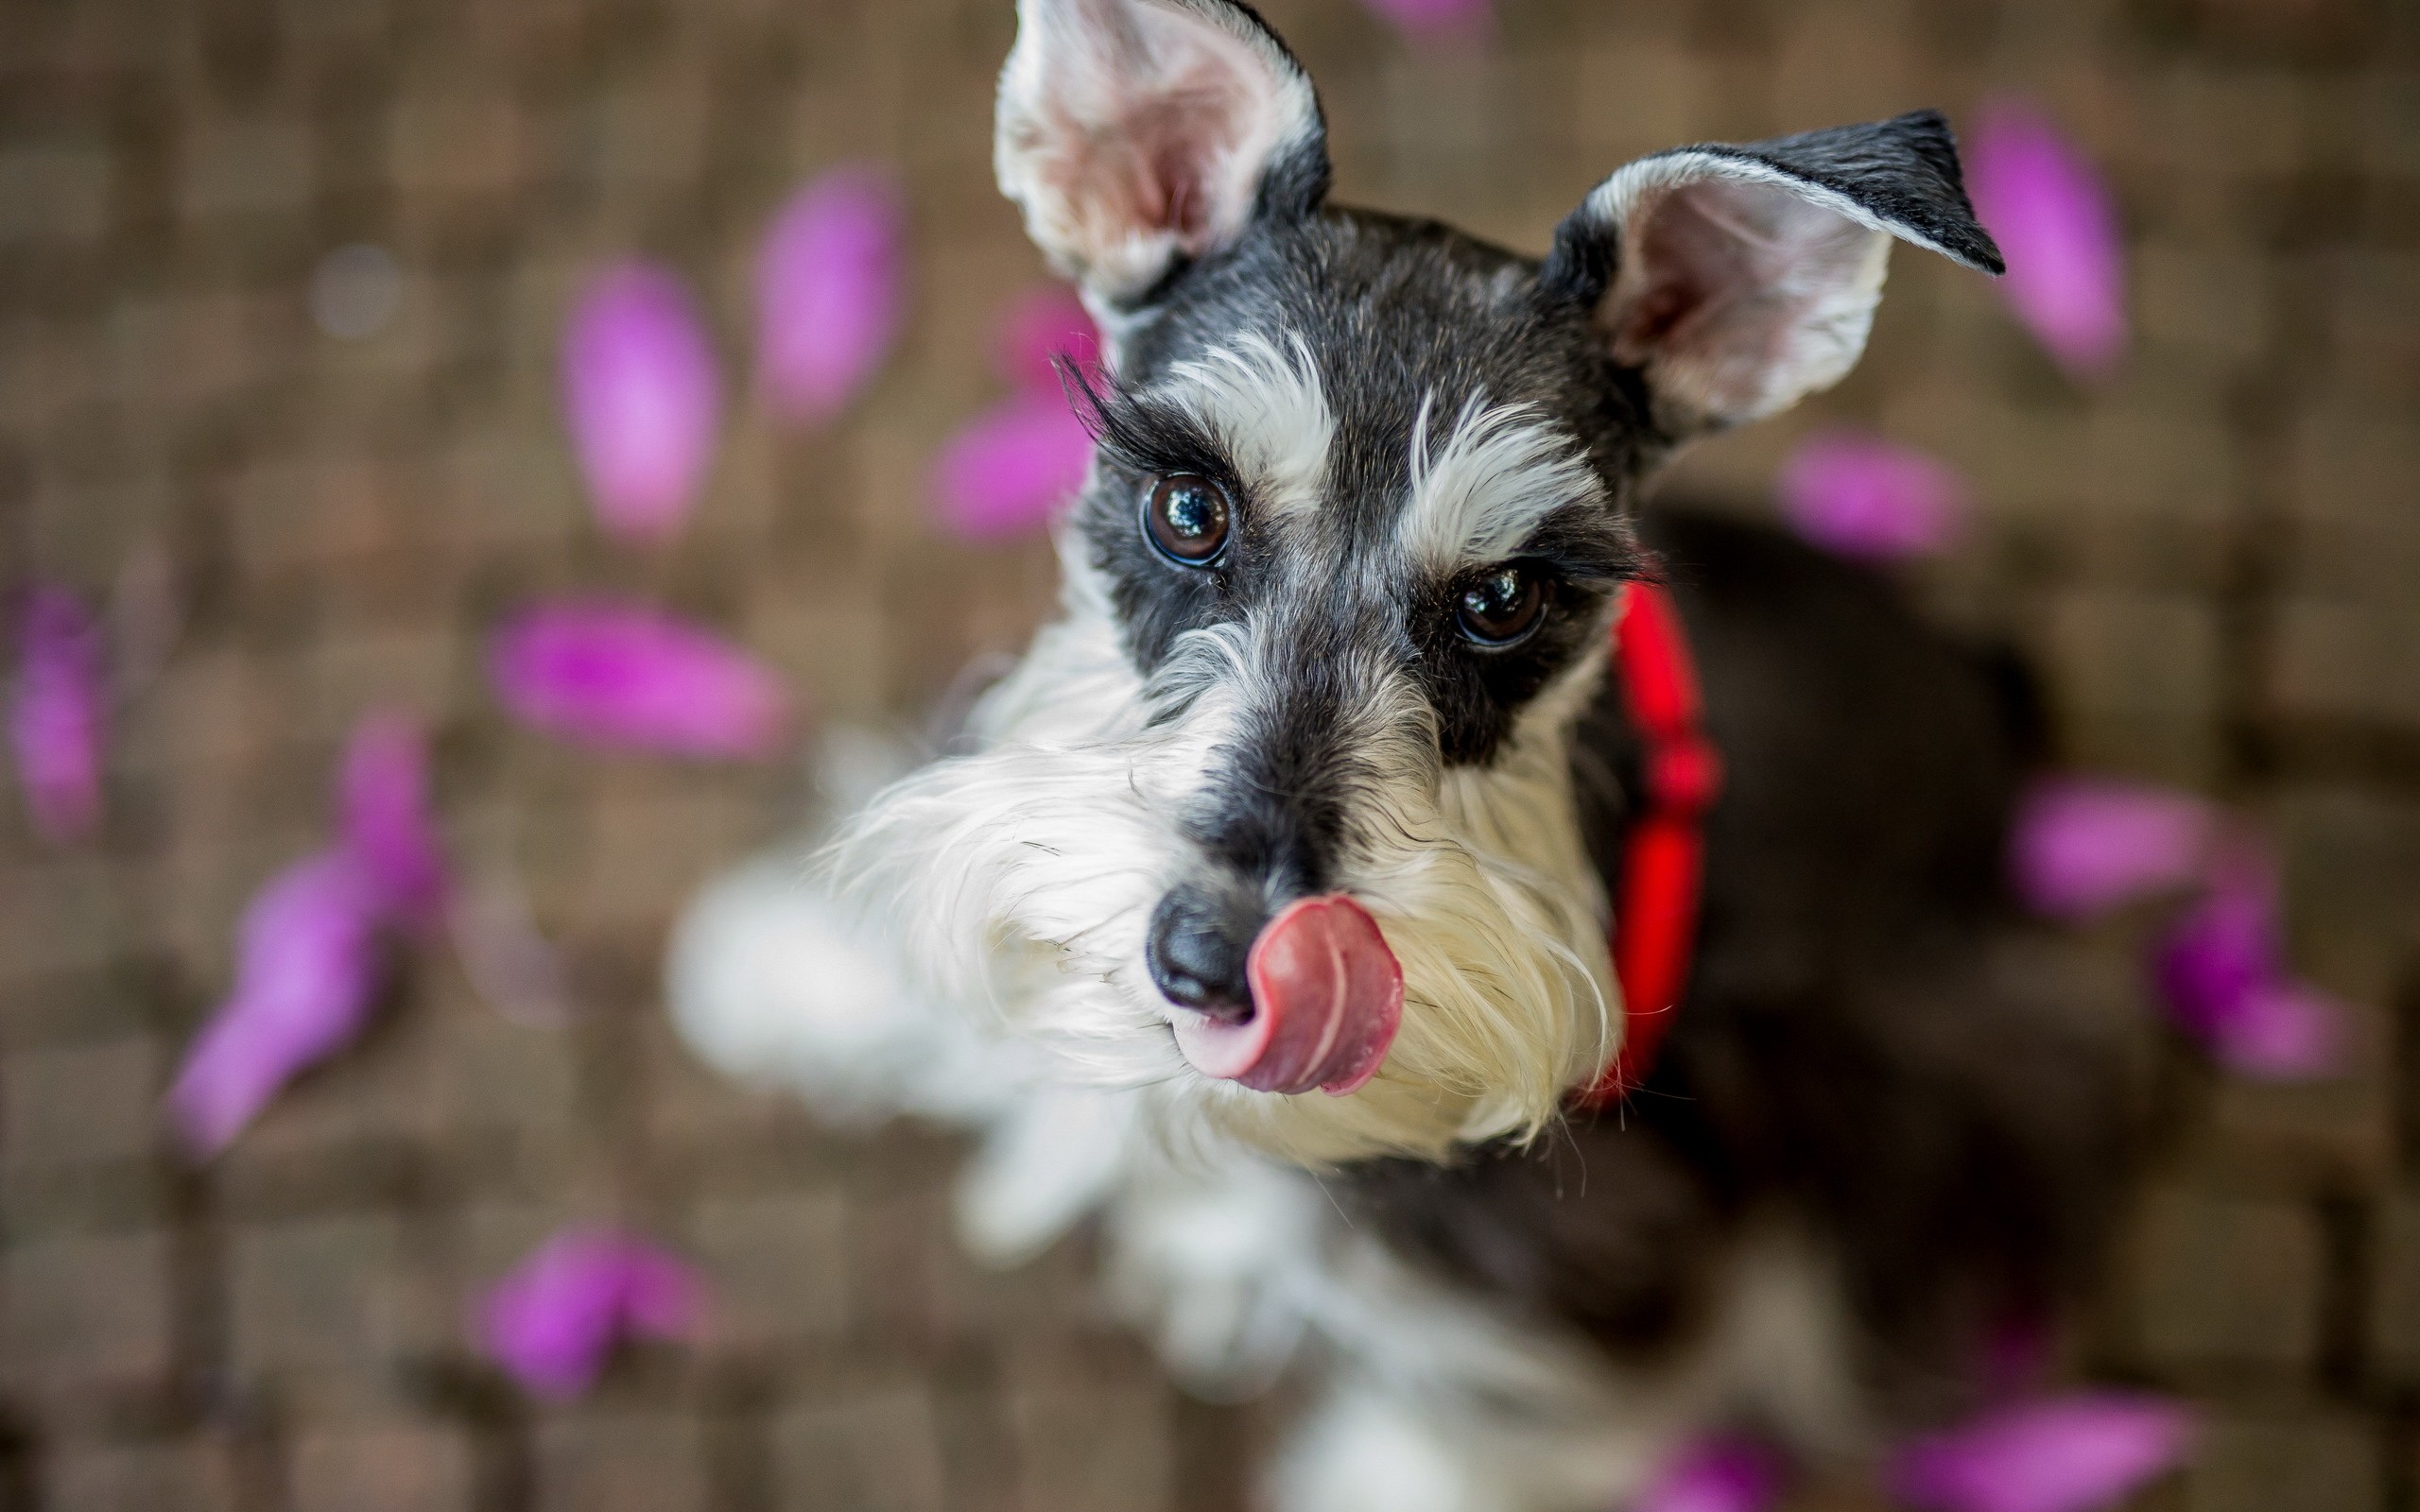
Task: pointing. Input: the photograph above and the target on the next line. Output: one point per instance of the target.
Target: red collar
(1663, 870)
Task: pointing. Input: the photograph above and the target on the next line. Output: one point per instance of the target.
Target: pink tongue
(1326, 999)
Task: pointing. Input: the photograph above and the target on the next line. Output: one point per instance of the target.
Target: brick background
(2213, 558)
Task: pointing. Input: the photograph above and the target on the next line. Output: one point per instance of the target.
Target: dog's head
(1277, 818)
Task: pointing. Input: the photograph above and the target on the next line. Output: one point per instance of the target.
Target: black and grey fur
(1882, 1128)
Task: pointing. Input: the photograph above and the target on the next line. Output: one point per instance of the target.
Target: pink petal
(2068, 1453)
(306, 966)
(1717, 1475)
(383, 811)
(1436, 20)
(2282, 1031)
(2045, 205)
(553, 1321)
(2220, 950)
(59, 720)
(2081, 845)
(2221, 971)
(1043, 324)
(662, 1296)
(1865, 497)
(616, 674)
(1009, 469)
(642, 399)
(829, 292)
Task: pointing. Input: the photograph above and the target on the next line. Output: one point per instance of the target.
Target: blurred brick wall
(2215, 559)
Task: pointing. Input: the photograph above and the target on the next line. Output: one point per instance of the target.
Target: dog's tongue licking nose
(1326, 999)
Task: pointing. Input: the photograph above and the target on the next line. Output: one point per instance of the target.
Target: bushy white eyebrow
(1268, 410)
(1501, 471)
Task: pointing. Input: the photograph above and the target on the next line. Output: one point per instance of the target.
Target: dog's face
(1278, 818)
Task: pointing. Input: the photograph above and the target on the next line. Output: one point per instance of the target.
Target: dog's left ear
(1740, 279)
(1140, 134)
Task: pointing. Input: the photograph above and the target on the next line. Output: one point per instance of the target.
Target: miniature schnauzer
(1262, 911)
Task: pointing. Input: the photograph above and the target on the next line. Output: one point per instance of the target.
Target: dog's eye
(1187, 518)
(1501, 607)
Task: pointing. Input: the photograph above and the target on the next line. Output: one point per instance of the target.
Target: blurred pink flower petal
(2081, 845)
(1864, 497)
(618, 674)
(1044, 323)
(1436, 20)
(829, 292)
(2045, 205)
(1718, 1475)
(642, 398)
(662, 1297)
(1011, 468)
(2282, 1031)
(554, 1320)
(306, 968)
(2070, 1454)
(2221, 971)
(59, 720)
(384, 813)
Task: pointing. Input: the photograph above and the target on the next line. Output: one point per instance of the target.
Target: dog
(1262, 909)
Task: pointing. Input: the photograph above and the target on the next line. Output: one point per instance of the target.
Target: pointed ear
(1740, 279)
(1139, 134)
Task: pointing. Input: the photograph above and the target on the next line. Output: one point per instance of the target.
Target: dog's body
(1886, 1106)
(1265, 911)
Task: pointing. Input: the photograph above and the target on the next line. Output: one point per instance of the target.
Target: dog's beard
(1020, 880)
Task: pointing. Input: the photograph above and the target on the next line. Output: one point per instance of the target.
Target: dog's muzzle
(1314, 1002)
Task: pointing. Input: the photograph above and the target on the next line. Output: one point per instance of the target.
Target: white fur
(1443, 1405)
(1233, 1263)
(1501, 471)
(1022, 878)
(1268, 410)
(1441, 1402)
(1219, 1257)
(772, 981)
(1046, 1161)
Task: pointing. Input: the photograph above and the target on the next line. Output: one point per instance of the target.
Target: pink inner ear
(1739, 298)
(1163, 165)
(1177, 174)
(1135, 132)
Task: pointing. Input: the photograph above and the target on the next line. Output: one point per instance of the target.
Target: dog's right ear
(1138, 136)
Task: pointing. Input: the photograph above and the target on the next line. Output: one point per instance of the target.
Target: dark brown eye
(1187, 518)
(1501, 607)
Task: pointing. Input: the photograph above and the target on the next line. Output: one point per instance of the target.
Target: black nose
(1197, 947)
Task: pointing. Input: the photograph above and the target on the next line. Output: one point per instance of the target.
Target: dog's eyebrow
(1247, 413)
(1141, 432)
(1502, 471)
(1268, 410)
